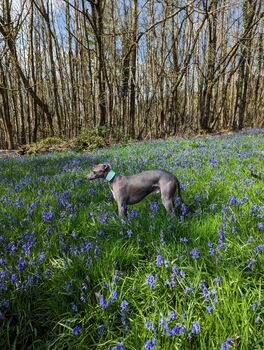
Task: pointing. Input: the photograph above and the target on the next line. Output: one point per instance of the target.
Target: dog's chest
(112, 190)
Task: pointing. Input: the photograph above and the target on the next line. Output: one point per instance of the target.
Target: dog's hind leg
(167, 196)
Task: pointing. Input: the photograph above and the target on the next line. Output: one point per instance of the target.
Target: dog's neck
(111, 174)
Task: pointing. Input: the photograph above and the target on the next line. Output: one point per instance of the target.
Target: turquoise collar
(110, 175)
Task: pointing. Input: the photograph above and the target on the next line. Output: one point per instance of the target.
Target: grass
(75, 276)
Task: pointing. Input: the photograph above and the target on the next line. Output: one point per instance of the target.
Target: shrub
(53, 140)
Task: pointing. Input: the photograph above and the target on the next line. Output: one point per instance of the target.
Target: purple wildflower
(195, 327)
(76, 330)
(172, 315)
(149, 325)
(261, 225)
(114, 294)
(101, 329)
(159, 260)
(129, 232)
(150, 344)
(195, 253)
(5, 303)
(119, 346)
(177, 329)
(21, 265)
(212, 251)
(254, 306)
(251, 263)
(209, 308)
(103, 302)
(217, 280)
(224, 346)
(151, 280)
(250, 239)
(48, 215)
(123, 305)
(74, 306)
(83, 298)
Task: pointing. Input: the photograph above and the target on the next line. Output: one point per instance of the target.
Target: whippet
(128, 190)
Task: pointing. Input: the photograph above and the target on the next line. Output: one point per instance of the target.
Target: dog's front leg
(122, 208)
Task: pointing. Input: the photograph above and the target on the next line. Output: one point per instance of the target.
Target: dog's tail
(185, 207)
(179, 191)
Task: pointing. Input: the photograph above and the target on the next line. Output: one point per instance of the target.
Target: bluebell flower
(212, 251)
(116, 277)
(5, 303)
(183, 209)
(21, 265)
(76, 330)
(177, 329)
(104, 304)
(151, 281)
(74, 306)
(129, 232)
(84, 287)
(83, 298)
(213, 291)
(133, 213)
(224, 346)
(47, 272)
(150, 344)
(212, 206)
(195, 327)
(3, 262)
(41, 256)
(233, 200)
(217, 280)
(101, 329)
(149, 325)
(254, 306)
(258, 248)
(123, 318)
(175, 269)
(159, 260)
(48, 215)
(68, 286)
(123, 305)
(251, 263)
(163, 323)
(261, 225)
(13, 278)
(172, 315)
(233, 230)
(250, 239)
(188, 290)
(114, 294)
(195, 253)
(209, 308)
(119, 346)
(221, 235)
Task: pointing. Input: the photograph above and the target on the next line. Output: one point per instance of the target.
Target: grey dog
(132, 189)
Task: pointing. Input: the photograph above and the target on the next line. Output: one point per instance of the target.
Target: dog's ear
(106, 167)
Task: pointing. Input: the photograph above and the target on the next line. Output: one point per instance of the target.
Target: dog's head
(98, 171)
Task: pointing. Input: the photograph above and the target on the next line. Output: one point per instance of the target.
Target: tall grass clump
(73, 275)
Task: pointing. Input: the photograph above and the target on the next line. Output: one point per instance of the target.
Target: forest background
(141, 68)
